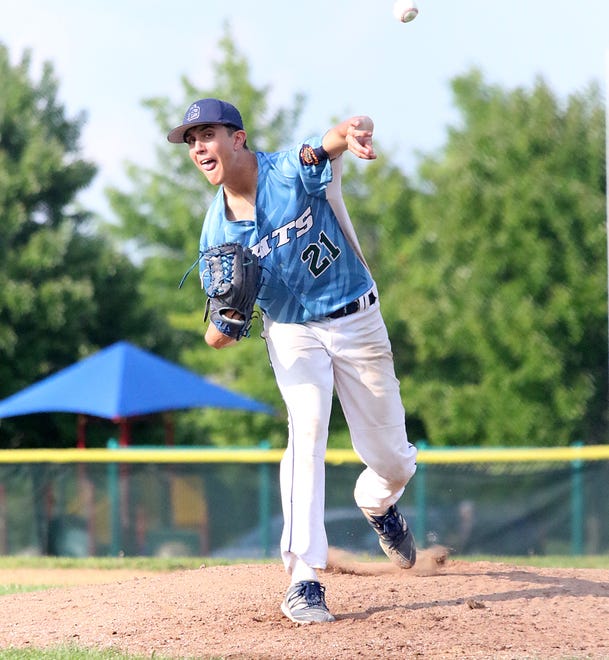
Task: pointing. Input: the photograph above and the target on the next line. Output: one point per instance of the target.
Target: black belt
(351, 308)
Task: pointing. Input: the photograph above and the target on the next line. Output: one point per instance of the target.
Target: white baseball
(405, 10)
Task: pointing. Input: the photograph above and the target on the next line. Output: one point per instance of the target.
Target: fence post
(577, 505)
(264, 504)
(3, 523)
(420, 498)
(114, 504)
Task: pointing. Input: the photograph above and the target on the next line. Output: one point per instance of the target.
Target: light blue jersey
(309, 267)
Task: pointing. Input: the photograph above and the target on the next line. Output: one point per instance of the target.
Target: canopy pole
(125, 432)
(81, 432)
(607, 191)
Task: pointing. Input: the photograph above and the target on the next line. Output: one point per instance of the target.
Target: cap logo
(193, 113)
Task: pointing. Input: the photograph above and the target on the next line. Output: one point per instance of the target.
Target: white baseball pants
(353, 355)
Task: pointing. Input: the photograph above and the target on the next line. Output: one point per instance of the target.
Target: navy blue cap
(206, 111)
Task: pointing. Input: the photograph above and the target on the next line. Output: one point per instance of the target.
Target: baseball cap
(206, 111)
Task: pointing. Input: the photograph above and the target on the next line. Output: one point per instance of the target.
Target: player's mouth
(207, 164)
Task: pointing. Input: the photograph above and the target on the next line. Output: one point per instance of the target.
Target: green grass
(186, 563)
(21, 588)
(75, 653)
(546, 561)
(101, 563)
(128, 563)
(70, 653)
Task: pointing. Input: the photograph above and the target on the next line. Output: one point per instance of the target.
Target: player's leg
(369, 393)
(302, 477)
(304, 376)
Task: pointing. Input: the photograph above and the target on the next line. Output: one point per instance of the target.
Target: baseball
(405, 10)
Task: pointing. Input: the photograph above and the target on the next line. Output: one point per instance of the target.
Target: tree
(64, 291)
(506, 272)
(162, 214)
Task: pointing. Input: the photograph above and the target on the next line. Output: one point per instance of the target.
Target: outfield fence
(195, 501)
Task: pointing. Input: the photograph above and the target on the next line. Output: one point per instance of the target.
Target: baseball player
(322, 325)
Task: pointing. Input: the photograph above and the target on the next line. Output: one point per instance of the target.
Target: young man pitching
(322, 325)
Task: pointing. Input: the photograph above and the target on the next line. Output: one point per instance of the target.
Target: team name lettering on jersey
(284, 234)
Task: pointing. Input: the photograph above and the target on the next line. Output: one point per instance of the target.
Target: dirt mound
(440, 609)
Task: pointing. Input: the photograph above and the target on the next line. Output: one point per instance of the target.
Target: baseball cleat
(305, 602)
(395, 538)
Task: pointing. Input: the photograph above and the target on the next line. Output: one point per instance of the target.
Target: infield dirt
(438, 610)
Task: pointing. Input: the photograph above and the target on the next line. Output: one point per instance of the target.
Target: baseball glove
(231, 279)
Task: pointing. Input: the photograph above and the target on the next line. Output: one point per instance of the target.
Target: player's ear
(239, 138)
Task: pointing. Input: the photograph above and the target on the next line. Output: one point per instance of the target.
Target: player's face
(211, 148)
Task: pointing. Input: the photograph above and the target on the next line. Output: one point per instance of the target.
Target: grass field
(182, 563)
(69, 653)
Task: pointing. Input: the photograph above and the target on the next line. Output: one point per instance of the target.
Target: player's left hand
(359, 138)
(231, 279)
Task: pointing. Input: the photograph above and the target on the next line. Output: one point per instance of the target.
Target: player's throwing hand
(359, 138)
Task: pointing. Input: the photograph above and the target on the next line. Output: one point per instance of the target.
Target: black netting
(233, 510)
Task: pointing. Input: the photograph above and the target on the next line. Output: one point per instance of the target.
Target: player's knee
(408, 470)
(402, 471)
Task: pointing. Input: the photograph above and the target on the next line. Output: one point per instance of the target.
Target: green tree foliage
(505, 276)
(64, 292)
(162, 217)
(492, 271)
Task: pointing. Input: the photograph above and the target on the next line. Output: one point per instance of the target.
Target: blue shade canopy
(123, 381)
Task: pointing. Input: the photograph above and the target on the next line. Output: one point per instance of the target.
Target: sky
(346, 56)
